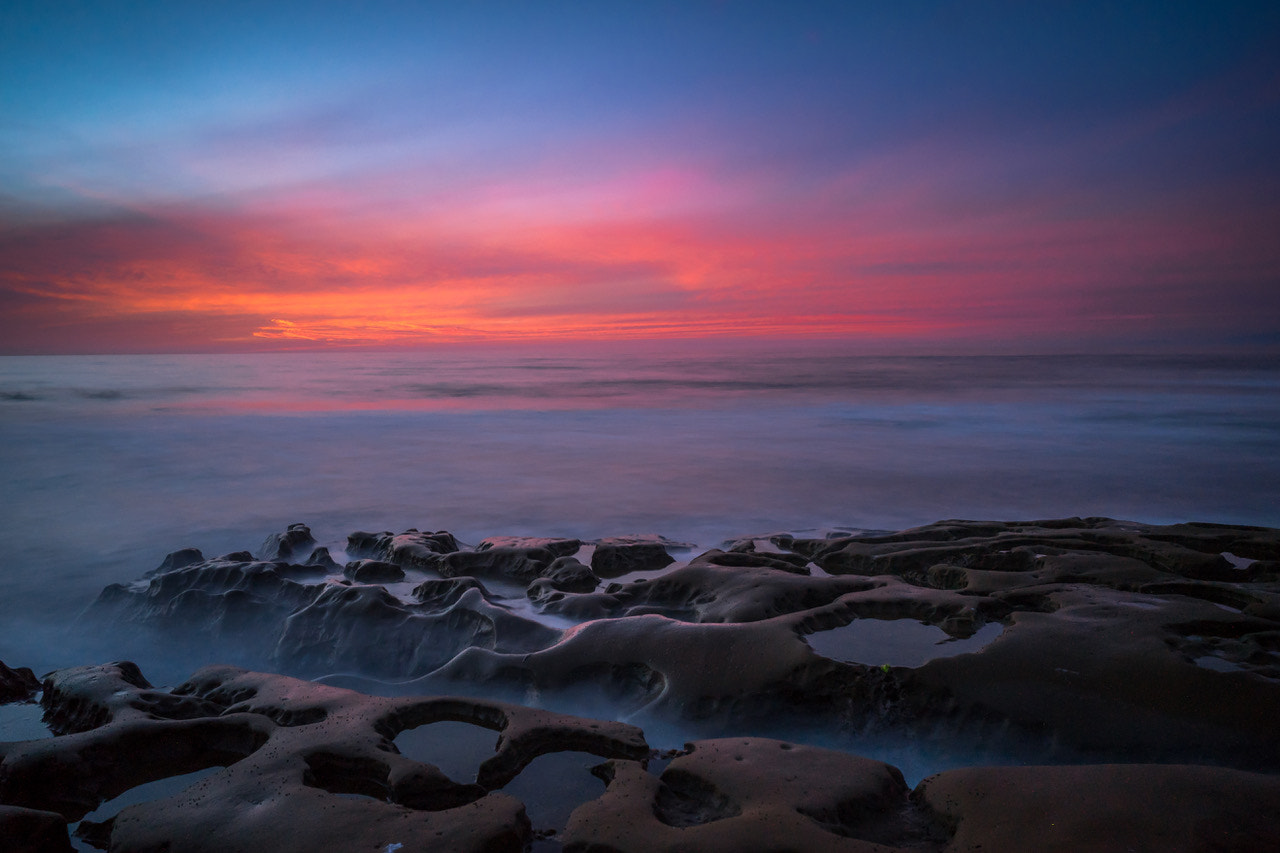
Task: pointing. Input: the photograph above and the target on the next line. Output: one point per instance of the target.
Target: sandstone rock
(1107, 808)
(304, 764)
(1118, 640)
(298, 764)
(754, 794)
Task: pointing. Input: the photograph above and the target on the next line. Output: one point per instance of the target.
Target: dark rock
(303, 764)
(444, 593)
(366, 629)
(420, 550)
(321, 559)
(1111, 808)
(33, 831)
(177, 560)
(1118, 641)
(362, 544)
(239, 605)
(560, 547)
(88, 697)
(569, 575)
(753, 794)
(793, 563)
(612, 559)
(299, 764)
(294, 545)
(17, 685)
(411, 549)
(373, 571)
(516, 564)
(566, 574)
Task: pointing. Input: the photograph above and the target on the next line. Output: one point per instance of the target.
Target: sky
(970, 177)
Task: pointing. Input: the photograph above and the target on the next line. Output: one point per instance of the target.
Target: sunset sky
(192, 177)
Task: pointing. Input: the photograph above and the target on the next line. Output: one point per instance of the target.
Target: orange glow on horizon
(663, 255)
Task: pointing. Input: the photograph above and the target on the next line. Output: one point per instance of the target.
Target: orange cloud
(660, 252)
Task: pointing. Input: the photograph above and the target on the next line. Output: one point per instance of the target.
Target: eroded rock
(298, 764)
(293, 546)
(1109, 808)
(749, 794)
(304, 764)
(615, 557)
(1115, 639)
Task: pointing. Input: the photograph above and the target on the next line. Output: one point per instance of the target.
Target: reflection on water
(22, 721)
(457, 749)
(549, 805)
(147, 792)
(896, 642)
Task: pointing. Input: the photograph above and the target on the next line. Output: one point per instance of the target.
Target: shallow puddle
(21, 721)
(157, 790)
(1237, 562)
(553, 785)
(1217, 664)
(458, 749)
(896, 642)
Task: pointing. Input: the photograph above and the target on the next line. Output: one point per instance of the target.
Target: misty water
(110, 463)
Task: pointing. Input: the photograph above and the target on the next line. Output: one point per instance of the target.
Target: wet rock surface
(295, 765)
(1111, 639)
(304, 763)
(1097, 641)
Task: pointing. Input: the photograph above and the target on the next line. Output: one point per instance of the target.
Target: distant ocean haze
(111, 462)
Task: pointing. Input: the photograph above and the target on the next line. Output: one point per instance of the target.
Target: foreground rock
(304, 764)
(1101, 640)
(298, 766)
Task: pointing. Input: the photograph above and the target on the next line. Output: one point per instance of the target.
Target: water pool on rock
(896, 642)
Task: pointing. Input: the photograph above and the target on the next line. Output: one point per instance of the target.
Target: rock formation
(290, 765)
(1075, 641)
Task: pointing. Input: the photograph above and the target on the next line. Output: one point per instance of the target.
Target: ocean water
(109, 463)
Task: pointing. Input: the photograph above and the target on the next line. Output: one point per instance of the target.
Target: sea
(108, 463)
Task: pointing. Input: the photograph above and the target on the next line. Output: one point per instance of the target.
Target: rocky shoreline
(1137, 667)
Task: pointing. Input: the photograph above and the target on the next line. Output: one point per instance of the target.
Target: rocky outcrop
(373, 571)
(411, 549)
(1100, 639)
(1111, 808)
(289, 765)
(754, 794)
(615, 557)
(303, 764)
(17, 685)
(294, 545)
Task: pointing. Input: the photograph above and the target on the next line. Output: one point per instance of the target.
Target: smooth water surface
(457, 749)
(109, 463)
(896, 642)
